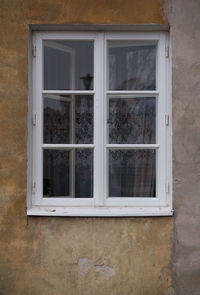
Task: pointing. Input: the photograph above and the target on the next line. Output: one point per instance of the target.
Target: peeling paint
(109, 271)
(84, 265)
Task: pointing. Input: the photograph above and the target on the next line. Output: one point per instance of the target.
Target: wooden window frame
(100, 204)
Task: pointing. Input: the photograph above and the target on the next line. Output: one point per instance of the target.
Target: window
(100, 131)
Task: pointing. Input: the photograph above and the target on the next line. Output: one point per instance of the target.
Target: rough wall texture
(185, 32)
(91, 255)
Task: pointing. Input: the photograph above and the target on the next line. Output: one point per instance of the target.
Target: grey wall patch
(84, 265)
(109, 271)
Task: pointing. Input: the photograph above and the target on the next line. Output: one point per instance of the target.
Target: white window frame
(100, 204)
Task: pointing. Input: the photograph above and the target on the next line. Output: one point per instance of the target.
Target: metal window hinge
(167, 187)
(33, 187)
(166, 120)
(167, 51)
(34, 120)
(34, 50)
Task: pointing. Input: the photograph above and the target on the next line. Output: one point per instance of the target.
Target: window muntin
(100, 138)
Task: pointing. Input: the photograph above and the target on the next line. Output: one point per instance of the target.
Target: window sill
(100, 211)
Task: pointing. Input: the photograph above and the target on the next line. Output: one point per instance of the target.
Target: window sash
(100, 145)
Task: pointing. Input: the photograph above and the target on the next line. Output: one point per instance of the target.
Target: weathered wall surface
(185, 32)
(51, 256)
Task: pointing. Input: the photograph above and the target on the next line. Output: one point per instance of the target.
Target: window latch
(34, 120)
(167, 51)
(166, 120)
(167, 187)
(34, 50)
(33, 187)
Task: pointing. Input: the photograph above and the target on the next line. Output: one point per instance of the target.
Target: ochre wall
(76, 256)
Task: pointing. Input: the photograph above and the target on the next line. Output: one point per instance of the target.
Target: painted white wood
(65, 201)
(100, 211)
(168, 105)
(67, 35)
(137, 36)
(38, 128)
(31, 93)
(142, 93)
(145, 202)
(129, 43)
(66, 146)
(132, 146)
(99, 115)
(72, 153)
(62, 92)
(161, 127)
(101, 205)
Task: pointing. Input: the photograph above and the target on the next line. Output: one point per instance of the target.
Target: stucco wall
(118, 256)
(185, 33)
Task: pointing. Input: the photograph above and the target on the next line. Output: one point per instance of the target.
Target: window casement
(100, 124)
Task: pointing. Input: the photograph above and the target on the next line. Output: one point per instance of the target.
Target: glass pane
(132, 173)
(56, 173)
(68, 173)
(132, 120)
(68, 65)
(84, 173)
(132, 65)
(68, 119)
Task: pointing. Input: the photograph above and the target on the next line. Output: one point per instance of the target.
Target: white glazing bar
(66, 146)
(161, 127)
(99, 185)
(133, 92)
(72, 156)
(132, 146)
(81, 92)
(169, 126)
(68, 35)
(73, 97)
(38, 139)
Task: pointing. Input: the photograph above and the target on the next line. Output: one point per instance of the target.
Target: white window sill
(100, 211)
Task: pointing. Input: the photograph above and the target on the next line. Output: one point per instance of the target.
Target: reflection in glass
(68, 119)
(132, 66)
(56, 173)
(132, 120)
(84, 118)
(132, 173)
(56, 119)
(68, 65)
(68, 173)
(83, 173)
